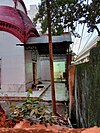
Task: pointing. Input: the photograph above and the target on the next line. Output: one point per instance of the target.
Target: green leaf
(32, 112)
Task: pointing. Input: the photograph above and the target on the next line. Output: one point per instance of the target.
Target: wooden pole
(68, 60)
(51, 57)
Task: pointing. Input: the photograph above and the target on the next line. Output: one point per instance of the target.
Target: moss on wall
(88, 90)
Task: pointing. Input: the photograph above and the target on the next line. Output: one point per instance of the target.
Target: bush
(32, 110)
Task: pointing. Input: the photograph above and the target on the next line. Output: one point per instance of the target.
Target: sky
(79, 43)
(31, 2)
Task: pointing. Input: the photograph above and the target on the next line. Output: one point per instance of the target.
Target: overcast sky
(31, 2)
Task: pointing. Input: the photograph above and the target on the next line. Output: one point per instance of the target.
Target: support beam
(68, 63)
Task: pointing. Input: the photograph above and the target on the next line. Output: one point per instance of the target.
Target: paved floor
(60, 92)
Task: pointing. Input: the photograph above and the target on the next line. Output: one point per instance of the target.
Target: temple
(24, 54)
(15, 27)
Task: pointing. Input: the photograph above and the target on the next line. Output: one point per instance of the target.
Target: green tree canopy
(67, 14)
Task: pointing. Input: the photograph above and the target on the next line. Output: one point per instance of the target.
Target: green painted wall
(59, 69)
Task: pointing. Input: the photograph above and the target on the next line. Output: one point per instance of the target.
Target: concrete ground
(60, 92)
(36, 93)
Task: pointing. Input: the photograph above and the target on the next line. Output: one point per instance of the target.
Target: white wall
(13, 64)
(38, 68)
(45, 70)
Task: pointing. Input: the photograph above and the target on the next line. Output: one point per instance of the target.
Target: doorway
(59, 70)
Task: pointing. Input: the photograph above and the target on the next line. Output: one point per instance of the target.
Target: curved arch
(17, 23)
(13, 30)
(32, 33)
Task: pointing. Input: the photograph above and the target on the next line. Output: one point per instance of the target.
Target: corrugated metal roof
(86, 51)
(90, 45)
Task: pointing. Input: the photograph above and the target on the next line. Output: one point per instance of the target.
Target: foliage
(67, 14)
(32, 110)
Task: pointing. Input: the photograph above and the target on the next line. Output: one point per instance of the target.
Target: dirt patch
(48, 130)
(25, 127)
